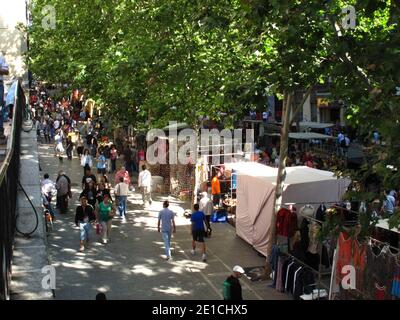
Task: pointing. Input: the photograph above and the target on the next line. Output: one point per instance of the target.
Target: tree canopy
(148, 62)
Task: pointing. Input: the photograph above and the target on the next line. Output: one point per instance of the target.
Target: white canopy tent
(256, 191)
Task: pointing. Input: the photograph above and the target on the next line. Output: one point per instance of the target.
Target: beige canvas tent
(256, 191)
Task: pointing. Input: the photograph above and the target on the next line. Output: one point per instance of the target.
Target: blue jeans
(166, 235)
(122, 205)
(84, 228)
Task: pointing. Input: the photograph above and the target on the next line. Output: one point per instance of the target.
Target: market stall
(255, 194)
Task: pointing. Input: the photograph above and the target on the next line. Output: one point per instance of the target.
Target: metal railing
(9, 174)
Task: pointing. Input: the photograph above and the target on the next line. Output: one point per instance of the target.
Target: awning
(314, 125)
(304, 135)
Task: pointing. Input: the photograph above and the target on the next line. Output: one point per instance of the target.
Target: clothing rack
(361, 293)
(385, 244)
(317, 272)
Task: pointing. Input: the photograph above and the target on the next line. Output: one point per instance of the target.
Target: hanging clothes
(296, 275)
(284, 274)
(320, 214)
(379, 271)
(304, 283)
(286, 222)
(273, 261)
(304, 232)
(348, 254)
(360, 262)
(380, 292)
(314, 244)
(282, 260)
(289, 271)
(290, 277)
(395, 292)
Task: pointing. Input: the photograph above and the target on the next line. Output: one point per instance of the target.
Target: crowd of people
(68, 126)
(297, 156)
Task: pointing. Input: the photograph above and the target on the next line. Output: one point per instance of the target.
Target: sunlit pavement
(132, 265)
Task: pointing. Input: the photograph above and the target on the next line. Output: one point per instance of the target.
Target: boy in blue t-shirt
(198, 230)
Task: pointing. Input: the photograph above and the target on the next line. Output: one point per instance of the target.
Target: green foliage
(150, 62)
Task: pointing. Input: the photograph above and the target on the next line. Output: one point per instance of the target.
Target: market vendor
(216, 189)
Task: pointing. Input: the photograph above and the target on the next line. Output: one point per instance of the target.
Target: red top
(286, 222)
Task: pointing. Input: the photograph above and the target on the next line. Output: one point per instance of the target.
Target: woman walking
(102, 190)
(69, 148)
(101, 164)
(86, 160)
(79, 145)
(105, 212)
(90, 193)
(59, 148)
(113, 157)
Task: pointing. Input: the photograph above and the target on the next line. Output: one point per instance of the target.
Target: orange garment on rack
(351, 253)
(345, 254)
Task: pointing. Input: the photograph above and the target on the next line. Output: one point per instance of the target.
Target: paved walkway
(131, 266)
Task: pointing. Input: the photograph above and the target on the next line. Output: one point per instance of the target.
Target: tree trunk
(288, 108)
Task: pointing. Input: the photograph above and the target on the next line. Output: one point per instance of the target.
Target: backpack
(226, 290)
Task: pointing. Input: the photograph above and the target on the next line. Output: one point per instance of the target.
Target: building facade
(13, 42)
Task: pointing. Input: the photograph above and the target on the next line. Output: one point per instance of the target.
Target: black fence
(9, 173)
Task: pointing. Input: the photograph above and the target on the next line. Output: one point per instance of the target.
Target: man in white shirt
(121, 192)
(206, 205)
(48, 189)
(3, 71)
(56, 124)
(144, 182)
